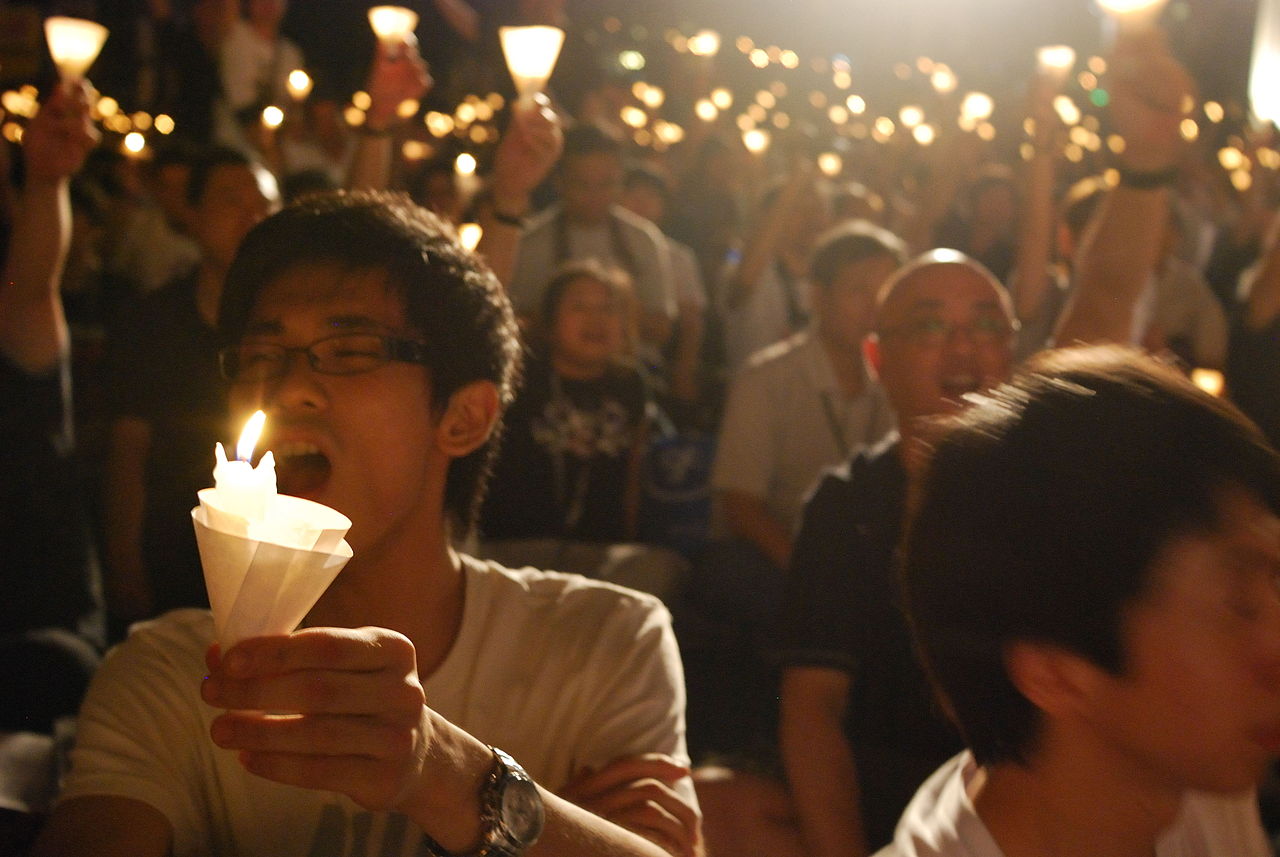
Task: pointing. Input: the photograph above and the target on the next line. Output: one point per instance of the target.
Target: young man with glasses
(384, 354)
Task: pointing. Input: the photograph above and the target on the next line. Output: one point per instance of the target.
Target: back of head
(849, 242)
(587, 139)
(1044, 507)
(451, 299)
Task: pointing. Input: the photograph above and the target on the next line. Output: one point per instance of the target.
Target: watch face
(522, 812)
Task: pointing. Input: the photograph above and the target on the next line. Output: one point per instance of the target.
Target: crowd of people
(746, 505)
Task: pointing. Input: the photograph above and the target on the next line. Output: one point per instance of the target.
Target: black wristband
(1148, 179)
(515, 220)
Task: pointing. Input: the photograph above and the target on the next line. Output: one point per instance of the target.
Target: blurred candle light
(1264, 68)
(911, 116)
(722, 98)
(74, 44)
(531, 54)
(469, 235)
(393, 25)
(272, 116)
(1055, 62)
(1067, 110)
(1214, 112)
(134, 143)
(465, 164)
(977, 106)
(924, 134)
(299, 84)
(705, 43)
(1134, 14)
(1209, 380)
(706, 110)
(943, 79)
(756, 141)
(857, 104)
(164, 123)
(831, 164)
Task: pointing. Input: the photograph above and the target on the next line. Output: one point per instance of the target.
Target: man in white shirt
(416, 661)
(1090, 576)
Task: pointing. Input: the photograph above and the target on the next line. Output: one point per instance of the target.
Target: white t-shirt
(785, 420)
(940, 822)
(561, 672)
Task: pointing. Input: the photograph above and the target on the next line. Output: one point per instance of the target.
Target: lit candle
(74, 44)
(1134, 15)
(243, 489)
(531, 54)
(393, 25)
(299, 84)
(1055, 62)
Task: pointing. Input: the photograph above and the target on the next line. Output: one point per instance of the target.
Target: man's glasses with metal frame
(934, 332)
(341, 354)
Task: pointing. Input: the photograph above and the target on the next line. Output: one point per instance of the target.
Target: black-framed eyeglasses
(340, 354)
(933, 332)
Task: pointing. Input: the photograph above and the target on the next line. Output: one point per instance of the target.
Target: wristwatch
(511, 814)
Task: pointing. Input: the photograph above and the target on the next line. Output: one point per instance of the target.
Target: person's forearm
(449, 810)
(33, 329)
(1028, 281)
(824, 785)
(370, 167)
(1117, 256)
(500, 221)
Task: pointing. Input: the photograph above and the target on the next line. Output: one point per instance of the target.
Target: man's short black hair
(1044, 507)
(205, 162)
(849, 242)
(640, 175)
(451, 298)
(587, 139)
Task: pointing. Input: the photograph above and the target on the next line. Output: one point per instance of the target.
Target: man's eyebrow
(353, 322)
(262, 328)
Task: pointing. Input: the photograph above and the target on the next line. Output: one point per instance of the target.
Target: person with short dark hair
(1090, 579)
(165, 400)
(858, 731)
(589, 223)
(384, 354)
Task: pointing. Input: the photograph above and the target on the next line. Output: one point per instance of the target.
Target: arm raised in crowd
(1151, 93)
(770, 234)
(397, 75)
(1029, 281)
(33, 329)
(529, 150)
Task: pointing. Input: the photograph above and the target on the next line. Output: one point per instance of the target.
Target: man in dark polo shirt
(859, 731)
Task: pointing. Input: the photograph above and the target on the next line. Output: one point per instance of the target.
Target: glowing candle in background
(394, 26)
(1264, 69)
(299, 84)
(1055, 62)
(531, 54)
(243, 489)
(1133, 15)
(74, 44)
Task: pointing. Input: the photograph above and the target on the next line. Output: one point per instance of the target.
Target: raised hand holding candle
(74, 44)
(394, 26)
(531, 54)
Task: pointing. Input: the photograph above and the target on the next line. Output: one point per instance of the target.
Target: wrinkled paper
(263, 577)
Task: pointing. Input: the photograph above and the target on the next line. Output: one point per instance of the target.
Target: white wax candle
(243, 489)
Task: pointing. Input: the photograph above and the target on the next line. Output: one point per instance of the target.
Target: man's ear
(1058, 682)
(468, 419)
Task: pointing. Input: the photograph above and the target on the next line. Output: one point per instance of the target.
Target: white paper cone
(257, 588)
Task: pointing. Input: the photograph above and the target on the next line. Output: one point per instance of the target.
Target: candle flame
(1209, 380)
(249, 437)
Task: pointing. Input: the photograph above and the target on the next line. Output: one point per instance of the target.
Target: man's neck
(209, 283)
(1069, 807)
(846, 363)
(416, 590)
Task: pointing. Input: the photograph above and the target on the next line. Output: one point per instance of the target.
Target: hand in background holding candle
(62, 134)
(1151, 93)
(397, 75)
